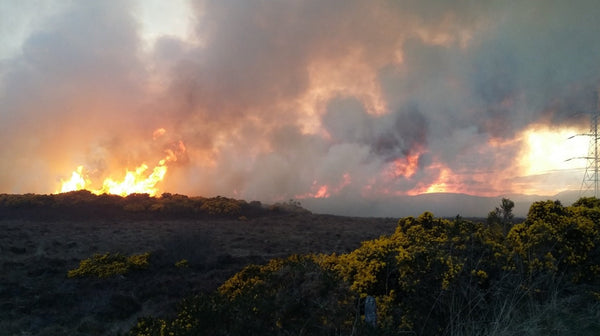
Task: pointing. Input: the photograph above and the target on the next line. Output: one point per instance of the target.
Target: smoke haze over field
(345, 100)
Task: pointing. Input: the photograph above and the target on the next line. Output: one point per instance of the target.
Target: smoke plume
(351, 100)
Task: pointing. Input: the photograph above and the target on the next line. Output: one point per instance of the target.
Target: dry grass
(518, 312)
(37, 298)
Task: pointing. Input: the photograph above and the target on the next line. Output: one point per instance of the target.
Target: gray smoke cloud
(274, 100)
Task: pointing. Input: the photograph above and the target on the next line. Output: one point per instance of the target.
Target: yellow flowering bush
(432, 276)
(108, 265)
(558, 239)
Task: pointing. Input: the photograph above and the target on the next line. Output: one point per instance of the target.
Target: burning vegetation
(137, 181)
(418, 98)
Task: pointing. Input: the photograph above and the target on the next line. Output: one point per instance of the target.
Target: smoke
(277, 100)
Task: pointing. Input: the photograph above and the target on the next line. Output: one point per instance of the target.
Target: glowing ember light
(158, 133)
(447, 181)
(320, 191)
(406, 166)
(442, 182)
(324, 190)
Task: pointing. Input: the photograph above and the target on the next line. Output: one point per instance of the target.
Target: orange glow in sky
(407, 166)
(472, 99)
(549, 149)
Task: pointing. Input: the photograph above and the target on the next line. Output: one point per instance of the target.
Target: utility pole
(590, 178)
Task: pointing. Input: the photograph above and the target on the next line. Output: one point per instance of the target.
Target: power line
(590, 181)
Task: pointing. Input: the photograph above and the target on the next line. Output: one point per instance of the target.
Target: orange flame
(441, 185)
(136, 181)
(406, 166)
(445, 182)
(133, 182)
(324, 190)
(77, 181)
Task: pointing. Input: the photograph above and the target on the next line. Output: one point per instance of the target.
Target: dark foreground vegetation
(97, 272)
(78, 205)
(430, 277)
(427, 275)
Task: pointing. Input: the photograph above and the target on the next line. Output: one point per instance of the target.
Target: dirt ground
(37, 298)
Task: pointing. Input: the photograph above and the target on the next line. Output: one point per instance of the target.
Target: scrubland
(41, 242)
(80, 264)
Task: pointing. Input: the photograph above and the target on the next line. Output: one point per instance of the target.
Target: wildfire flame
(324, 190)
(406, 166)
(134, 181)
(77, 182)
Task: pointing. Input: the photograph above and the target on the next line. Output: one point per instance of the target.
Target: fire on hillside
(140, 180)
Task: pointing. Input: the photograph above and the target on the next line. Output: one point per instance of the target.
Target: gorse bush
(557, 239)
(83, 204)
(432, 276)
(300, 294)
(419, 273)
(221, 206)
(108, 265)
(183, 263)
(297, 295)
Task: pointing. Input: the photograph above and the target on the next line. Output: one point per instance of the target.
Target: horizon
(443, 205)
(344, 106)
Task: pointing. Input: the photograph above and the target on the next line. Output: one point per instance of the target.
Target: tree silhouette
(502, 216)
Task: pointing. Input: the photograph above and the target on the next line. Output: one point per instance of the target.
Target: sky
(355, 103)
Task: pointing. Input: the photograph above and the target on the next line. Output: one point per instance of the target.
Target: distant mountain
(441, 204)
(83, 204)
